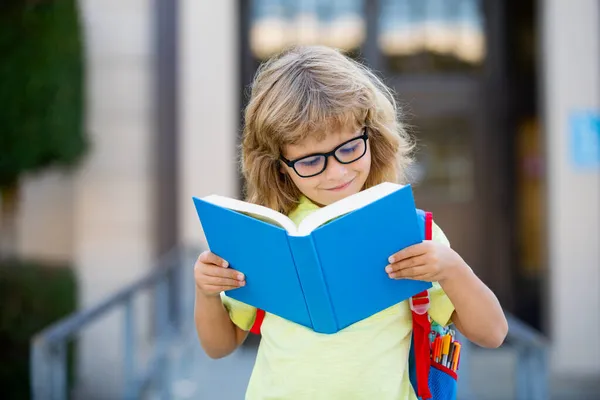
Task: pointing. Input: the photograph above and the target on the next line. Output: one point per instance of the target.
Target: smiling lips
(341, 187)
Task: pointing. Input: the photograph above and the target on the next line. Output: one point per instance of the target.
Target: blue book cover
(328, 272)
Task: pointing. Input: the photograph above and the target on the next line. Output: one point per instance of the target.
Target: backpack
(429, 378)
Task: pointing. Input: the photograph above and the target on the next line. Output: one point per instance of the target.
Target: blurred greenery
(33, 296)
(41, 95)
(41, 125)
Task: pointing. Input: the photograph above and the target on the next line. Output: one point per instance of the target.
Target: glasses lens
(310, 165)
(351, 151)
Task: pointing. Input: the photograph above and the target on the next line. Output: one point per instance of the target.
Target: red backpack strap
(419, 305)
(260, 315)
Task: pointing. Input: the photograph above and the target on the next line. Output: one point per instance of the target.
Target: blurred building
(504, 98)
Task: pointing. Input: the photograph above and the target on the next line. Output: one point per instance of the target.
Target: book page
(262, 213)
(344, 206)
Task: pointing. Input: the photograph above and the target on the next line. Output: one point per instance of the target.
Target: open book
(328, 272)
(312, 221)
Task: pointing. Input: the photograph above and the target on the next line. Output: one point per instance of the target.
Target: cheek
(304, 184)
(364, 164)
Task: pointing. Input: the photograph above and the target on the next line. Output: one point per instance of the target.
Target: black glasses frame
(292, 163)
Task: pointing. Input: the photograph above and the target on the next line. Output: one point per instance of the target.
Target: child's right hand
(213, 275)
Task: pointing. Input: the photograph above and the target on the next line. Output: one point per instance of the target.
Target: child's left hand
(427, 261)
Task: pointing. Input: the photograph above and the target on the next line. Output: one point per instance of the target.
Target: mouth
(341, 187)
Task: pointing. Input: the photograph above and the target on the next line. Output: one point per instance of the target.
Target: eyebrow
(316, 153)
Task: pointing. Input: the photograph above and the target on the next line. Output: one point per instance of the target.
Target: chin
(331, 196)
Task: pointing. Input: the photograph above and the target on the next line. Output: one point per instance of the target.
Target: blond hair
(309, 91)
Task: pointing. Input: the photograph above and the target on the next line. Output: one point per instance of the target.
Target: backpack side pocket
(443, 382)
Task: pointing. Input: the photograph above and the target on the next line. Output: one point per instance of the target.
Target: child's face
(338, 180)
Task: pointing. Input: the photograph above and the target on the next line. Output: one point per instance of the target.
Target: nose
(335, 169)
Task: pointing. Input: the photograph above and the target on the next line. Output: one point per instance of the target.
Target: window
(417, 36)
(444, 167)
(277, 24)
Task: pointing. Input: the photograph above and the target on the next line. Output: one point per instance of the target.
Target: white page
(255, 210)
(345, 206)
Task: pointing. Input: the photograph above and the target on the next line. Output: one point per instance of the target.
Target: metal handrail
(520, 332)
(48, 347)
(48, 366)
(533, 371)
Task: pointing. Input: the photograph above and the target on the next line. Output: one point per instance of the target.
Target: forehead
(321, 143)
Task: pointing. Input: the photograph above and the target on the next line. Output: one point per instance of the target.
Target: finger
(410, 273)
(218, 288)
(220, 281)
(218, 272)
(425, 278)
(411, 251)
(208, 257)
(406, 263)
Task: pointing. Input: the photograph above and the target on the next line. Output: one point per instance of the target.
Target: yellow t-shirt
(366, 360)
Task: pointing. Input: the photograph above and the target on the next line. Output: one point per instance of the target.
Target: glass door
(436, 55)
(432, 53)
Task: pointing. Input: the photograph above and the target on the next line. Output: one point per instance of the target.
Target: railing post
(189, 285)
(162, 331)
(464, 373)
(49, 371)
(523, 377)
(532, 373)
(181, 295)
(40, 370)
(129, 351)
(59, 371)
(175, 292)
(541, 379)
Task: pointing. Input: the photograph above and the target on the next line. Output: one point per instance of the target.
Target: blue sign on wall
(585, 139)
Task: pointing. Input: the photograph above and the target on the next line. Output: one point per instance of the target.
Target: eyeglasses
(345, 153)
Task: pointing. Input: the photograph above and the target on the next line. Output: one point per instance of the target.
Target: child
(320, 127)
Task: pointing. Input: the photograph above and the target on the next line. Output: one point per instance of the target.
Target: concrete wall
(114, 190)
(571, 57)
(209, 112)
(45, 221)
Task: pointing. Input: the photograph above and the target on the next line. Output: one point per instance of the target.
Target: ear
(282, 168)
